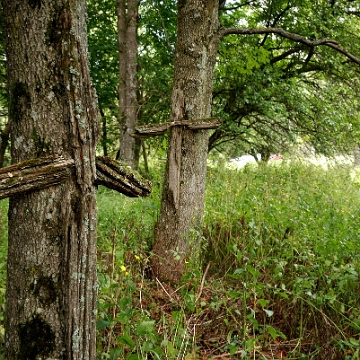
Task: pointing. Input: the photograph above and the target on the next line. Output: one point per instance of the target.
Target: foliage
(280, 243)
(268, 91)
(102, 38)
(271, 91)
(157, 35)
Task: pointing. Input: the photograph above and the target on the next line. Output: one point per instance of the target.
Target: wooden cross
(39, 173)
(160, 129)
(175, 154)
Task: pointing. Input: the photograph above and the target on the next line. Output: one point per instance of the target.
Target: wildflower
(137, 257)
(123, 268)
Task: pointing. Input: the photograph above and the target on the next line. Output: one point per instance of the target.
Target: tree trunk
(127, 11)
(51, 284)
(176, 232)
(4, 142)
(104, 137)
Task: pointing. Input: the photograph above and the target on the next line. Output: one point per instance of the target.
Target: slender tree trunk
(181, 211)
(104, 137)
(51, 284)
(127, 11)
(5, 135)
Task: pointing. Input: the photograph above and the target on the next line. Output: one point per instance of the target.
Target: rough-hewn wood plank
(39, 173)
(34, 175)
(120, 177)
(160, 129)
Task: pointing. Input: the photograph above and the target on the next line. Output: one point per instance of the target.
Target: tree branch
(160, 129)
(291, 36)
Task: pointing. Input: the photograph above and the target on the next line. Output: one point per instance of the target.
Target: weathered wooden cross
(39, 173)
(175, 155)
(160, 129)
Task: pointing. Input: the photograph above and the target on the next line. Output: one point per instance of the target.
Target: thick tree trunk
(51, 284)
(183, 192)
(127, 11)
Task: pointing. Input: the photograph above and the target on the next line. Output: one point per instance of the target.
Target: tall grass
(278, 274)
(288, 237)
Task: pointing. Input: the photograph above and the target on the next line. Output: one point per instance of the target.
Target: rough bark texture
(127, 11)
(51, 285)
(121, 177)
(34, 175)
(183, 192)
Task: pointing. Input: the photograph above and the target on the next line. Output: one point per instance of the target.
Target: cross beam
(160, 129)
(175, 145)
(39, 173)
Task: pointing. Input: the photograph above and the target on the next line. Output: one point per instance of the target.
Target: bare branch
(160, 129)
(34, 175)
(291, 36)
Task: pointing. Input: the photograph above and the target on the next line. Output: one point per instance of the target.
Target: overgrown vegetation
(278, 276)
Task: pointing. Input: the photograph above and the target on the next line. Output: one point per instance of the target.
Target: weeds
(278, 276)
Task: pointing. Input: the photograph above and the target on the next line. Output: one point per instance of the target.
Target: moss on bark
(37, 339)
(19, 100)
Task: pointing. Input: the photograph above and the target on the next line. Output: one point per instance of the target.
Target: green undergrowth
(277, 278)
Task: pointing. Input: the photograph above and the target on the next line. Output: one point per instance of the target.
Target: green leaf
(250, 344)
(233, 349)
(102, 324)
(263, 302)
(126, 340)
(133, 357)
(272, 332)
(146, 327)
(354, 342)
(115, 354)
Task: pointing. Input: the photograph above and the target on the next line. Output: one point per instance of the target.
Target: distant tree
(157, 20)
(127, 13)
(104, 62)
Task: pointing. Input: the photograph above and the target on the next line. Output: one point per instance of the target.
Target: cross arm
(39, 173)
(160, 129)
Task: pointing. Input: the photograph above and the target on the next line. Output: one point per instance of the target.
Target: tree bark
(127, 11)
(51, 284)
(177, 230)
